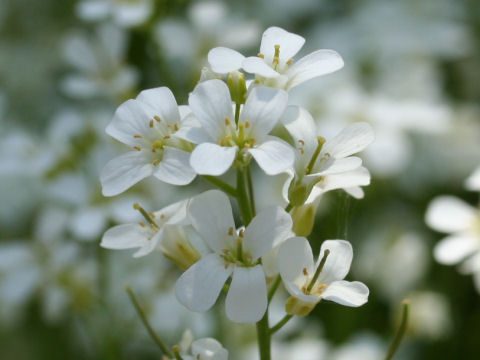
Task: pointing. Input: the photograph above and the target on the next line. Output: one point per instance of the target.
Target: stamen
(138, 148)
(277, 51)
(301, 142)
(260, 55)
(137, 136)
(230, 231)
(227, 121)
(166, 137)
(321, 141)
(162, 216)
(241, 232)
(175, 127)
(157, 144)
(290, 61)
(146, 215)
(156, 162)
(142, 224)
(151, 123)
(318, 271)
(247, 124)
(240, 249)
(305, 272)
(151, 214)
(156, 117)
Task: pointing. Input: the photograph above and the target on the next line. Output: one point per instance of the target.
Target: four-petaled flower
(274, 66)
(221, 140)
(309, 282)
(236, 253)
(149, 125)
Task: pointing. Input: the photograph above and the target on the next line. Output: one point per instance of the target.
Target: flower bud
(237, 86)
(303, 219)
(298, 195)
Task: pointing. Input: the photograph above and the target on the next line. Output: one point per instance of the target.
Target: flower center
(237, 135)
(236, 254)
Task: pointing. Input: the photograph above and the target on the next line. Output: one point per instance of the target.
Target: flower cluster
(229, 121)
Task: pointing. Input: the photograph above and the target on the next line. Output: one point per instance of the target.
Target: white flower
(126, 13)
(221, 140)
(473, 181)
(298, 269)
(449, 214)
(207, 349)
(148, 124)
(146, 237)
(274, 66)
(325, 165)
(236, 253)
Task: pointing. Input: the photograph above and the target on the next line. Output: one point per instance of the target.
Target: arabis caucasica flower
(274, 66)
(326, 164)
(151, 234)
(235, 253)
(148, 124)
(309, 282)
(207, 349)
(221, 140)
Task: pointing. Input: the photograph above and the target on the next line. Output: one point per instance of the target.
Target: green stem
(263, 337)
(176, 352)
(400, 332)
(145, 322)
(230, 190)
(250, 191)
(274, 288)
(280, 324)
(243, 198)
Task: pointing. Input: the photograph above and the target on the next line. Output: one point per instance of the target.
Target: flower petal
(256, 65)
(294, 256)
(455, 248)
(160, 102)
(274, 156)
(473, 181)
(175, 167)
(208, 349)
(212, 159)
(341, 165)
(223, 60)
(246, 300)
(350, 140)
(357, 177)
(124, 171)
(130, 236)
(268, 229)
(301, 126)
(289, 43)
(263, 109)
(318, 63)
(198, 287)
(211, 103)
(347, 293)
(450, 214)
(338, 261)
(355, 191)
(211, 215)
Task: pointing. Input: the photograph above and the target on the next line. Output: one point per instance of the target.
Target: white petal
(175, 167)
(355, 191)
(473, 181)
(318, 63)
(338, 261)
(161, 103)
(132, 14)
(208, 349)
(198, 287)
(274, 156)
(347, 293)
(294, 256)
(223, 60)
(302, 128)
(357, 177)
(212, 159)
(246, 300)
(211, 215)
(256, 65)
(341, 165)
(263, 109)
(349, 141)
(130, 119)
(450, 214)
(124, 171)
(289, 43)
(268, 229)
(130, 236)
(211, 103)
(455, 248)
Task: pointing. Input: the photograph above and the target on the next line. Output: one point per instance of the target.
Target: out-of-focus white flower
(207, 349)
(473, 181)
(149, 125)
(146, 237)
(274, 66)
(235, 253)
(99, 64)
(429, 315)
(221, 140)
(452, 215)
(362, 347)
(309, 282)
(125, 13)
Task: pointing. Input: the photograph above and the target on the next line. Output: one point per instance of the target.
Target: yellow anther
(175, 127)
(138, 148)
(301, 142)
(166, 137)
(156, 162)
(158, 144)
(321, 288)
(151, 123)
(247, 145)
(152, 215)
(301, 151)
(156, 117)
(277, 50)
(241, 233)
(227, 121)
(305, 272)
(137, 136)
(230, 231)
(290, 61)
(260, 55)
(142, 224)
(169, 126)
(228, 137)
(247, 124)
(162, 216)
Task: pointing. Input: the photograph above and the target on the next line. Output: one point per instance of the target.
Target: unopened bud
(303, 219)
(238, 88)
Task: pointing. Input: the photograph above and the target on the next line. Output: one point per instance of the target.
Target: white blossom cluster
(229, 121)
